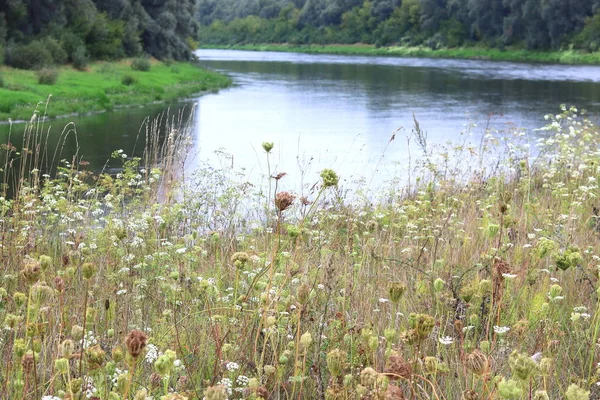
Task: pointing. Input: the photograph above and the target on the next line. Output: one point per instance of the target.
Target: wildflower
(231, 366)
(501, 330)
(509, 276)
(446, 340)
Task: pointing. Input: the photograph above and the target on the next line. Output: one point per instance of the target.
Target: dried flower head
(477, 362)
(27, 362)
(136, 342)
(397, 367)
(283, 200)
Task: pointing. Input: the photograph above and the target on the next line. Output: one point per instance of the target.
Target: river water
(340, 112)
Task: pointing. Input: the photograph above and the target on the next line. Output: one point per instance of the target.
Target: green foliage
(47, 76)
(141, 64)
(34, 34)
(31, 56)
(533, 24)
(128, 80)
(80, 58)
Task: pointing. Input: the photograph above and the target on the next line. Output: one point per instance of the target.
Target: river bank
(102, 87)
(471, 53)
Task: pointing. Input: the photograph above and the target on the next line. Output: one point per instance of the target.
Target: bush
(1, 81)
(80, 58)
(57, 52)
(128, 80)
(31, 56)
(140, 64)
(47, 76)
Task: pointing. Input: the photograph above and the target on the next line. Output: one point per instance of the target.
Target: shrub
(80, 58)
(1, 81)
(57, 52)
(30, 56)
(128, 80)
(140, 64)
(47, 76)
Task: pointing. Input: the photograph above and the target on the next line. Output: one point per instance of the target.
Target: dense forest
(531, 24)
(38, 33)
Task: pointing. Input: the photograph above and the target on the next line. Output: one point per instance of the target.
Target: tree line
(531, 24)
(39, 33)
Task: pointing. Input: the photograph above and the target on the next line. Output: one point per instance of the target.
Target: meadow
(469, 53)
(477, 278)
(101, 86)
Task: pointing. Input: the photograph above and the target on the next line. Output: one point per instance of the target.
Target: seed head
(136, 342)
(215, 393)
(477, 362)
(267, 146)
(396, 291)
(329, 177)
(27, 362)
(283, 200)
(336, 360)
(397, 367)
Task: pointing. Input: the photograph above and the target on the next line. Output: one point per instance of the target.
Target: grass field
(102, 87)
(475, 53)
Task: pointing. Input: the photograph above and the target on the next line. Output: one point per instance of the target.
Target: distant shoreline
(102, 87)
(569, 57)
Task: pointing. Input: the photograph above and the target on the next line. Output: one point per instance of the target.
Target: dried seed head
(155, 380)
(470, 395)
(283, 200)
(215, 393)
(336, 360)
(136, 342)
(396, 291)
(477, 362)
(393, 392)
(27, 362)
(59, 284)
(397, 367)
(368, 377)
(66, 348)
(31, 270)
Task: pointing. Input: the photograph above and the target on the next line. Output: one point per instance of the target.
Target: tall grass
(477, 281)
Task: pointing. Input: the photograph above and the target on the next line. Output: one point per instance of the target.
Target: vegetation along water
(458, 260)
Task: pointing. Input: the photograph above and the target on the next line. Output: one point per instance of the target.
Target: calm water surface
(340, 111)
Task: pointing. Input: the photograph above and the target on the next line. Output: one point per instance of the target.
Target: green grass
(100, 88)
(475, 53)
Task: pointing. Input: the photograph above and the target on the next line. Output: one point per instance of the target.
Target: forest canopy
(39, 33)
(530, 24)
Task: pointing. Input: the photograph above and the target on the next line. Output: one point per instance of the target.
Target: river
(326, 111)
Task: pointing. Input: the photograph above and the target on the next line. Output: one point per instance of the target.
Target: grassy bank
(128, 285)
(473, 53)
(103, 86)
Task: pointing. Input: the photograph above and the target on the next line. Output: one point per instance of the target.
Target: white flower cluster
(89, 340)
(152, 353)
(231, 366)
(227, 384)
